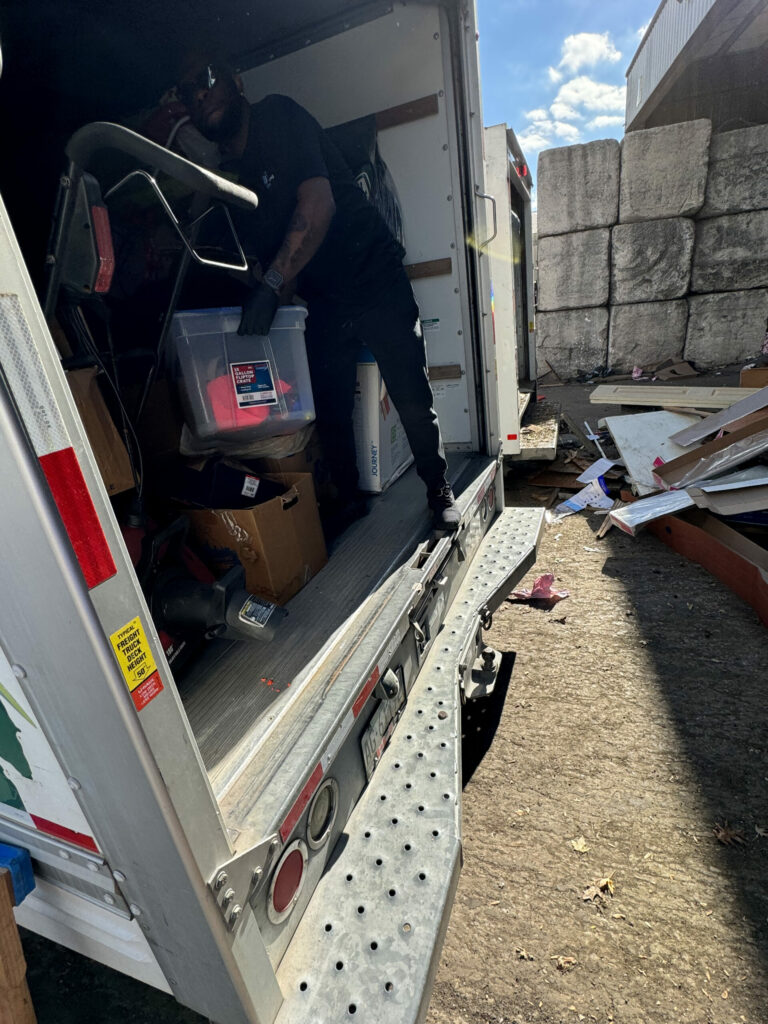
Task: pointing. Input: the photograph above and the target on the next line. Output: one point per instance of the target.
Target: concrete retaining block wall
(656, 262)
(574, 270)
(664, 171)
(729, 323)
(578, 187)
(737, 179)
(651, 261)
(731, 253)
(571, 340)
(643, 333)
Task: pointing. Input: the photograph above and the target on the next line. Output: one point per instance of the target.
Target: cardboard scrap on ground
(591, 496)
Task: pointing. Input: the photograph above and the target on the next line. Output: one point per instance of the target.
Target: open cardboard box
(280, 542)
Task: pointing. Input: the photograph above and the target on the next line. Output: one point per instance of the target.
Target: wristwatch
(274, 279)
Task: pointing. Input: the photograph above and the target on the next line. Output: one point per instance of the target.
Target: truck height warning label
(134, 656)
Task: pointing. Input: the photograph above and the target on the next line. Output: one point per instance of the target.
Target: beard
(228, 123)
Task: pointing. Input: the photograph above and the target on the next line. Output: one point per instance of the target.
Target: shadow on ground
(480, 720)
(711, 668)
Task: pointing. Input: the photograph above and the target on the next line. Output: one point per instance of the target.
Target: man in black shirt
(314, 231)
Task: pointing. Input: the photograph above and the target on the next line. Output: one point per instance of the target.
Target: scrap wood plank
(694, 397)
(641, 438)
(715, 457)
(752, 403)
(736, 561)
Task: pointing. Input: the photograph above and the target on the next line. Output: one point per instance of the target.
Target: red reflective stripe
(366, 692)
(104, 250)
(77, 511)
(511, 437)
(301, 802)
(60, 832)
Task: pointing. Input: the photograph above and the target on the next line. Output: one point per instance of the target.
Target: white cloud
(532, 141)
(537, 115)
(564, 111)
(586, 92)
(585, 49)
(605, 121)
(554, 75)
(545, 132)
(569, 132)
(642, 30)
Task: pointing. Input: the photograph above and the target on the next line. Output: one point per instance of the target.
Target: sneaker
(445, 512)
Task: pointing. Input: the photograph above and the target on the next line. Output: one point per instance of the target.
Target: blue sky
(554, 69)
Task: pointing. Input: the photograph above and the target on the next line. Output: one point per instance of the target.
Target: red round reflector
(287, 881)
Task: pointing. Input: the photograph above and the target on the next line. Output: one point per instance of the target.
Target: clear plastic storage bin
(237, 389)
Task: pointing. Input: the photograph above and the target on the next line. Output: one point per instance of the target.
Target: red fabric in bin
(227, 413)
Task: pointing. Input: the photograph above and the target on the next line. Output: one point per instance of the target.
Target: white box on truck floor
(383, 452)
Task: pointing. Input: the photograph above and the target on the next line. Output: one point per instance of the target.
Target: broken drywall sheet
(644, 437)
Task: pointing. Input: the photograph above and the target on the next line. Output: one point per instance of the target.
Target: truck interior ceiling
(384, 69)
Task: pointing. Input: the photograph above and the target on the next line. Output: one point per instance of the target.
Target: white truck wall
(384, 63)
(501, 257)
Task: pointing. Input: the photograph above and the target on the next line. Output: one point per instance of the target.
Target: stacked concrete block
(737, 180)
(644, 333)
(726, 327)
(578, 187)
(731, 253)
(572, 340)
(574, 270)
(674, 288)
(664, 171)
(651, 260)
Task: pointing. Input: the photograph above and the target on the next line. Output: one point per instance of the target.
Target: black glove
(259, 311)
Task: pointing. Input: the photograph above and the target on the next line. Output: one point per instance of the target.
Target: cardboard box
(757, 377)
(280, 543)
(108, 448)
(308, 460)
(383, 452)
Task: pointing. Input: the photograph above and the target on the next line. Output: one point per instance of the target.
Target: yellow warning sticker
(133, 653)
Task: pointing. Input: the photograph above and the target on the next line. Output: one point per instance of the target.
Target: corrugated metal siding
(672, 27)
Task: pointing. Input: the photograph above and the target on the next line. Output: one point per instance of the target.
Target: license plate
(380, 729)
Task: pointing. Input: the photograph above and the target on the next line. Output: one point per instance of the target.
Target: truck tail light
(287, 882)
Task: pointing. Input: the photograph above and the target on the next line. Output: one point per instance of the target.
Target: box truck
(269, 826)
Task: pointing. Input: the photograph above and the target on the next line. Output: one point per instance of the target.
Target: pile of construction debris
(693, 470)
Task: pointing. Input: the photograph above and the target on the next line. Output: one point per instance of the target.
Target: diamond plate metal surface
(368, 944)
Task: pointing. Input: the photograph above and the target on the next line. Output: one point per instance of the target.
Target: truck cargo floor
(234, 686)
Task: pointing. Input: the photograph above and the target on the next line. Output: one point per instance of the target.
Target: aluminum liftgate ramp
(368, 944)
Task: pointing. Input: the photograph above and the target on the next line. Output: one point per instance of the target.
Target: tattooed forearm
(307, 228)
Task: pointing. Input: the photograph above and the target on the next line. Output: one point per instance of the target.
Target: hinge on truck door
(235, 883)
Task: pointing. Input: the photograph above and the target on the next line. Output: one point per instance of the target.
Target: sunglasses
(206, 78)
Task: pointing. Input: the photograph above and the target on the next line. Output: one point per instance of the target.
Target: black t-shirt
(359, 258)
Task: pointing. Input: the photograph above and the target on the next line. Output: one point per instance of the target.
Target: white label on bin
(250, 486)
(254, 383)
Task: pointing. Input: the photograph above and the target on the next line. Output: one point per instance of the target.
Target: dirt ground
(634, 720)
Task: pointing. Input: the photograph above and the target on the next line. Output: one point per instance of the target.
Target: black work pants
(392, 333)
